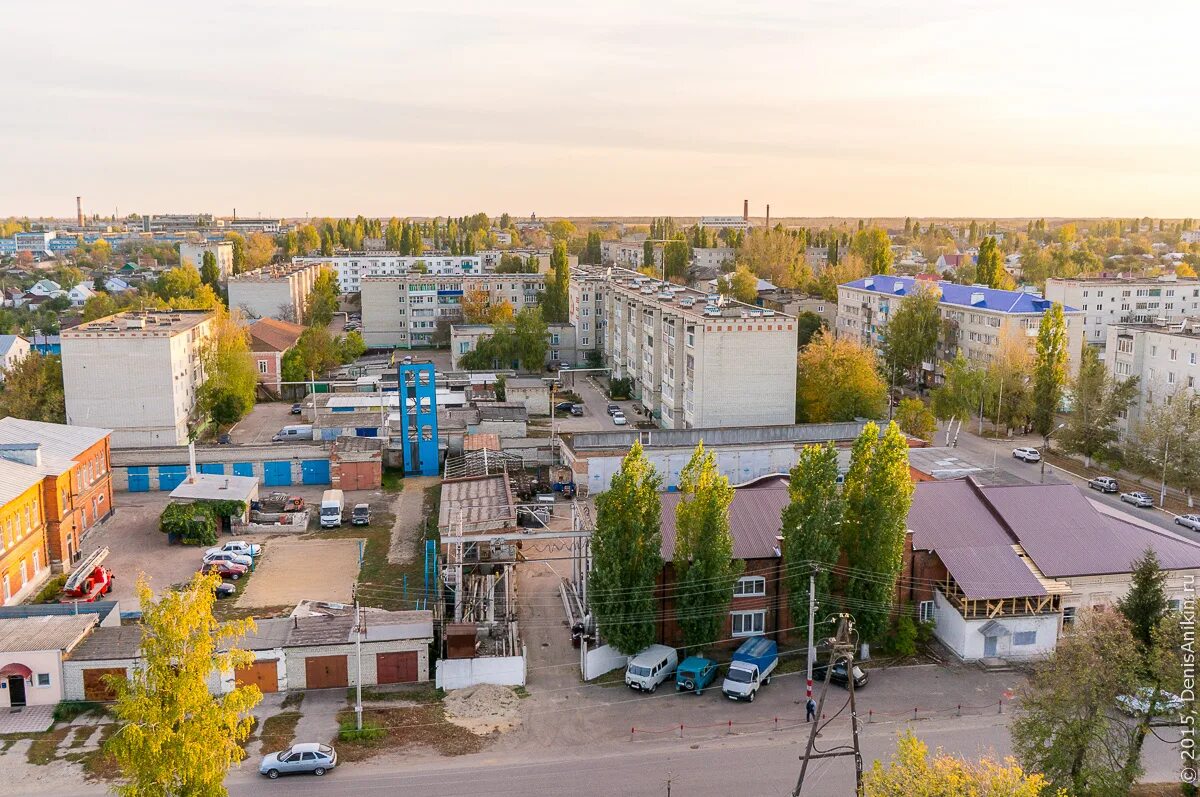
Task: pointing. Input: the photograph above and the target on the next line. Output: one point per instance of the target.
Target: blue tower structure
(418, 417)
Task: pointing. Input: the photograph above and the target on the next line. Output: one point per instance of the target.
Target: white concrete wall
(73, 674)
(499, 670)
(598, 661)
(40, 661)
(736, 464)
(963, 636)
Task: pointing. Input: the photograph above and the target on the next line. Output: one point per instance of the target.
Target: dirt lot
(263, 422)
(290, 571)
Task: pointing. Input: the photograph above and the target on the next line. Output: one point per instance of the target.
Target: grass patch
(99, 765)
(68, 710)
(611, 678)
(293, 700)
(50, 592)
(393, 480)
(411, 693)
(520, 692)
(369, 732)
(416, 726)
(82, 733)
(278, 731)
(44, 749)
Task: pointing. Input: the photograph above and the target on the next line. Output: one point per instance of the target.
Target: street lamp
(1046, 445)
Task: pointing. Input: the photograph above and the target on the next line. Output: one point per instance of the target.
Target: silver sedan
(1189, 521)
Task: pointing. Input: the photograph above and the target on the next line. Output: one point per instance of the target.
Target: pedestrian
(810, 710)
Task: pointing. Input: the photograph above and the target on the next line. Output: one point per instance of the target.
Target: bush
(595, 359)
(68, 710)
(925, 632)
(905, 640)
(370, 732)
(620, 389)
(51, 591)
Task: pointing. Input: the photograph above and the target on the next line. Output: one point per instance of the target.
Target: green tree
(627, 555)
(322, 300)
(1098, 401)
(961, 391)
(561, 231)
(210, 275)
(705, 570)
(99, 306)
(911, 334)
(648, 254)
(875, 248)
(742, 285)
(555, 300)
(877, 493)
(914, 418)
(808, 324)
(239, 251)
(777, 256)
(231, 378)
(591, 252)
(532, 338)
(32, 388)
(314, 354)
(836, 380)
(351, 347)
(176, 737)
(308, 240)
(1168, 439)
(1145, 605)
(811, 524)
(1050, 369)
(677, 257)
(989, 266)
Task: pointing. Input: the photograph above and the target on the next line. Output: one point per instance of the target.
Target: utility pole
(812, 620)
(843, 651)
(358, 708)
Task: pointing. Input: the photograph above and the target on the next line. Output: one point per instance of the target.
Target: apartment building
(1189, 237)
(277, 291)
(713, 260)
(726, 223)
(1113, 300)
(136, 373)
(696, 359)
(24, 560)
(352, 267)
(1165, 357)
(562, 344)
(221, 250)
(976, 319)
(626, 254)
(403, 311)
(74, 465)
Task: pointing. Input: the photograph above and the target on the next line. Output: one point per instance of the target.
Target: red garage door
(323, 672)
(396, 668)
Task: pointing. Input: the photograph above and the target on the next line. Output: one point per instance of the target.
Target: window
(748, 623)
(262, 366)
(750, 585)
(1024, 638)
(925, 611)
(43, 679)
(1175, 604)
(1068, 617)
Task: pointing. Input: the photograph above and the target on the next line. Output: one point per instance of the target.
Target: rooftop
(216, 487)
(754, 520)
(275, 271)
(270, 334)
(16, 478)
(1182, 328)
(678, 298)
(58, 440)
(972, 296)
(47, 632)
(141, 323)
(477, 504)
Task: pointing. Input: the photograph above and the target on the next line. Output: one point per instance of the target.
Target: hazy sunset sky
(846, 107)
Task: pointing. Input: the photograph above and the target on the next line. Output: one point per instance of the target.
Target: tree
(1065, 725)
(836, 380)
(99, 306)
(351, 347)
(811, 527)
(677, 257)
(915, 419)
(1007, 397)
(911, 334)
(1168, 439)
(476, 306)
(210, 275)
(989, 266)
(532, 338)
(705, 570)
(314, 354)
(260, 250)
(1050, 369)
(230, 376)
(648, 257)
(322, 300)
(808, 324)
(308, 240)
(777, 256)
(877, 493)
(181, 282)
(875, 248)
(961, 390)
(1145, 605)
(561, 231)
(176, 737)
(239, 251)
(911, 773)
(1098, 401)
(627, 555)
(555, 300)
(32, 388)
(742, 285)
(591, 251)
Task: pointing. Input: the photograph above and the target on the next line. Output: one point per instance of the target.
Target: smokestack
(745, 210)
(79, 210)
(768, 216)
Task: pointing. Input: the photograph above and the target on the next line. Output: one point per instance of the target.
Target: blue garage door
(366, 431)
(243, 469)
(171, 476)
(212, 467)
(139, 480)
(277, 474)
(315, 471)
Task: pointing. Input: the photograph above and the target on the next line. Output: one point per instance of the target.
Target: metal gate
(171, 476)
(323, 672)
(243, 469)
(277, 473)
(212, 467)
(396, 668)
(314, 471)
(263, 674)
(139, 479)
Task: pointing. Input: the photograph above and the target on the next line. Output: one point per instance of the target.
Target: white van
(651, 667)
(297, 432)
(333, 503)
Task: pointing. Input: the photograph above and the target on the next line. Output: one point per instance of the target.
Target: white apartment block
(1112, 300)
(136, 373)
(626, 254)
(352, 267)
(222, 251)
(725, 222)
(278, 291)
(713, 260)
(1164, 356)
(697, 360)
(1190, 237)
(979, 319)
(402, 311)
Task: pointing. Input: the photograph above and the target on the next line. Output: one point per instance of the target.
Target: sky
(864, 108)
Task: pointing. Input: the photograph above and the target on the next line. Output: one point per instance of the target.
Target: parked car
(241, 547)
(217, 555)
(619, 418)
(695, 673)
(1139, 702)
(563, 406)
(1188, 521)
(224, 590)
(1138, 499)
(306, 757)
(838, 676)
(224, 569)
(577, 410)
(1027, 454)
(613, 409)
(651, 667)
(224, 439)
(360, 515)
(297, 409)
(751, 668)
(1105, 484)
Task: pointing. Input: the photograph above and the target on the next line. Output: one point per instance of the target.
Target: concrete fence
(498, 670)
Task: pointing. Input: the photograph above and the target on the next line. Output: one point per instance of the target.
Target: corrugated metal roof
(990, 572)
(477, 504)
(15, 479)
(120, 642)
(953, 293)
(754, 521)
(58, 440)
(48, 632)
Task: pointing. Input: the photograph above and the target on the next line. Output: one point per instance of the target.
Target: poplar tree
(1098, 401)
(555, 301)
(1050, 369)
(811, 528)
(627, 555)
(877, 494)
(705, 570)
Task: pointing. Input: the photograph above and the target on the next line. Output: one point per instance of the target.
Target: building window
(262, 366)
(748, 623)
(1024, 638)
(43, 679)
(1175, 604)
(1068, 617)
(925, 611)
(750, 585)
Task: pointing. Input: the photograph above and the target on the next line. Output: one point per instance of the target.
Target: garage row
(313, 649)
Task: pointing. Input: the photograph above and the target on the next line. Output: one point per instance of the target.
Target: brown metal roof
(270, 334)
(754, 521)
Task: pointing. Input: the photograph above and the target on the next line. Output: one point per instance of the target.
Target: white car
(227, 556)
(1188, 521)
(1139, 703)
(251, 549)
(1027, 454)
(1138, 499)
(619, 419)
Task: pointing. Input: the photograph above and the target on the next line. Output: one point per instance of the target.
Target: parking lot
(263, 422)
(595, 416)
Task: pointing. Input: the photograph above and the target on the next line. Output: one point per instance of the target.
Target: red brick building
(270, 339)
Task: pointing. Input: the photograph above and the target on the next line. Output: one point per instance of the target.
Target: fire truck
(90, 580)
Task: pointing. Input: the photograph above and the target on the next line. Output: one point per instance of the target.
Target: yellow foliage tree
(912, 773)
(837, 379)
(176, 737)
(1185, 270)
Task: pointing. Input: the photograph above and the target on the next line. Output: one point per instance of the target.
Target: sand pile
(483, 709)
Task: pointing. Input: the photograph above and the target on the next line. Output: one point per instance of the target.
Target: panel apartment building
(352, 267)
(696, 360)
(221, 250)
(1164, 356)
(1113, 300)
(278, 291)
(979, 319)
(135, 373)
(402, 311)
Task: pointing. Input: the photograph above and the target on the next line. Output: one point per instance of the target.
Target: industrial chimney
(79, 210)
(768, 216)
(745, 210)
